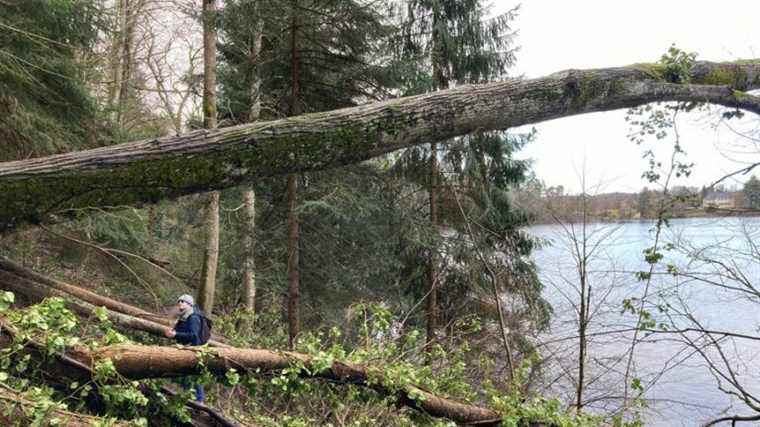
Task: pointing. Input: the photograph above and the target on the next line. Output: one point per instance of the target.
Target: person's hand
(170, 333)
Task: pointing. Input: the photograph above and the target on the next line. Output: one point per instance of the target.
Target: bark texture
(249, 263)
(140, 362)
(294, 277)
(294, 233)
(38, 190)
(207, 286)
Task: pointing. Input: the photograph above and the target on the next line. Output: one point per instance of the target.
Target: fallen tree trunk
(147, 171)
(36, 287)
(141, 362)
(136, 362)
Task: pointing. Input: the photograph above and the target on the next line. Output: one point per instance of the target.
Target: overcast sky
(554, 35)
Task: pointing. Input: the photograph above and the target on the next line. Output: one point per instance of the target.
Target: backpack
(205, 332)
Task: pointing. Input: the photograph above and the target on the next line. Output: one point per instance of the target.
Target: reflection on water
(717, 261)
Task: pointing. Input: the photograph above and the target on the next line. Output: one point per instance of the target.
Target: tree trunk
(117, 41)
(249, 263)
(294, 278)
(294, 291)
(254, 94)
(249, 196)
(207, 288)
(141, 362)
(128, 18)
(432, 299)
(441, 81)
(41, 189)
(209, 64)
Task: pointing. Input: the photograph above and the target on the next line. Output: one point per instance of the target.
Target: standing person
(187, 331)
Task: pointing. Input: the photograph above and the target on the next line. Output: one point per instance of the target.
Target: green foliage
(444, 42)
(519, 410)
(371, 340)
(677, 64)
(337, 44)
(44, 103)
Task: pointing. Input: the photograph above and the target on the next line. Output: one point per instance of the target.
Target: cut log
(147, 171)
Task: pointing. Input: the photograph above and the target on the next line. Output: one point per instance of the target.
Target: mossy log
(134, 173)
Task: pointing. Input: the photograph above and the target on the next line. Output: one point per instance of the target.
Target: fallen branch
(36, 287)
(15, 409)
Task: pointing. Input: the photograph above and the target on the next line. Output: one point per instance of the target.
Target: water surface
(681, 389)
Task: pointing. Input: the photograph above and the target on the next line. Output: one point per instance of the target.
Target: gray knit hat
(186, 298)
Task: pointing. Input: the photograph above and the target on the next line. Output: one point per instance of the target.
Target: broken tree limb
(36, 190)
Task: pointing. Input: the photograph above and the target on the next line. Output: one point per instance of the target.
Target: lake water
(720, 261)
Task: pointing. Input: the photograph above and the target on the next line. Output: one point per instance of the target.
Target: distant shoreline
(686, 214)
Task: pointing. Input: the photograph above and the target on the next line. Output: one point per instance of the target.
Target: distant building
(718, 199)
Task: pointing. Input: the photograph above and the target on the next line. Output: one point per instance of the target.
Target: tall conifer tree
(313, 56)
(455, 42)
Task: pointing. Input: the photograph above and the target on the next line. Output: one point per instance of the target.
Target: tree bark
(209, 64)
(432, 270)
(249, 262)
(128, 20)
(39, 190)
(141, 362)
(294, 277)
(115, 63)
(207, 288)
(249, 195)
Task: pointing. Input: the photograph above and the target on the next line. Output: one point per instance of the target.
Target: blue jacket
(189, 331)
